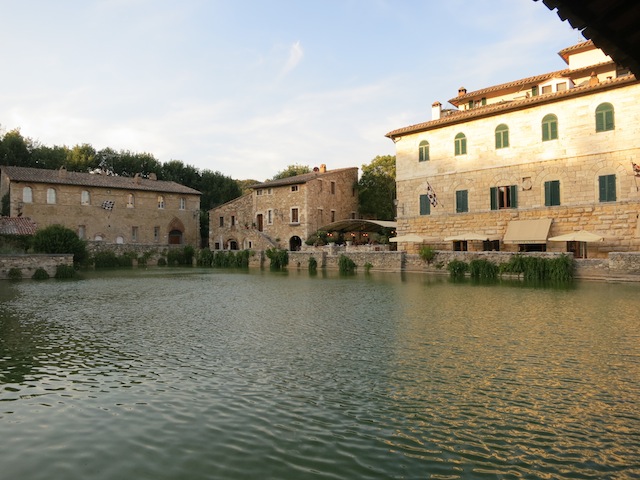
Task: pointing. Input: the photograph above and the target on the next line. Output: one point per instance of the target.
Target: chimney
(462, 91)
(62, 172)
(436, 110)
(136, 179)
(323, 168)
(593, 79)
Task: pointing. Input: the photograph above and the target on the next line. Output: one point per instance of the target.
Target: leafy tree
(292, 171)
(43, 156)
(82, 158)
(245, 185)
(59, 239)
(377, 188)
(14, 149)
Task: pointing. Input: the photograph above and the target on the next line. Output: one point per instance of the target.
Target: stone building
(106, 208)
(284, 213)
(515, 164)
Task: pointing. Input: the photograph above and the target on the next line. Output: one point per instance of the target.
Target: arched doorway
(295, 243)
(175, 237)
(232, 244)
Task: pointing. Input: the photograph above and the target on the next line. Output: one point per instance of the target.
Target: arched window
(27, 195)
(604, 117)
(460, 144)
(502, 136)
(51, 196)
(423, 151)
(131, 201)
(160, 201)
(549, 127)
(85, 197)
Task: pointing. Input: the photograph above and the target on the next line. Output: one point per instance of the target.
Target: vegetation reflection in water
(176, 373)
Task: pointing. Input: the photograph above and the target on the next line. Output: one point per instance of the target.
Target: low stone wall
(28, 264)
(140, 249)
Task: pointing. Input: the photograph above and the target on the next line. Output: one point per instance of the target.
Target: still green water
(210, 374)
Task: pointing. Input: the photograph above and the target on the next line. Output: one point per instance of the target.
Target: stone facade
(496, 178)
(284, 213)
(114, 210)
(28, 264)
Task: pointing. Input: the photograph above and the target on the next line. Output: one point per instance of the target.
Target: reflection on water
(164, 374)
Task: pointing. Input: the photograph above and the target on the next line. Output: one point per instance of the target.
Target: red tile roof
(17, 226)
(304, 178)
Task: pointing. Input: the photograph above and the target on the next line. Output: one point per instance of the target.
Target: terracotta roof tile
(17, 226)
(37, 175)
(304, 178)
(496, 108)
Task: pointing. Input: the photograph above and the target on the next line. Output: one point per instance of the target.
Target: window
(82, 232)
(423, 151)
(134, 234)
(131, 201)
(353, 215)
(51, 196)
(183, 203)
(502, 136)
(333, 188)
(333, 216)
(460, 144)
(160, 202)
(85, 197)
(504, 197)
(269, 217)
(546, 89)
(294, 216)
(27, 195)
(549, 127)
(233, 220)
(552, 193)
(425, 205)
(258, 192)
(561, 87)
(462, 202)
(604, 117)
(294, 188)
(156, 234)
(269, 191)
(221, 221)
(607, 184)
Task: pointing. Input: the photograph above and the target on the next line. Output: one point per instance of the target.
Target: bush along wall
(279, 258)
(532, 269)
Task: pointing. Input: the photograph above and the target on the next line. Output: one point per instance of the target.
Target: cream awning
(412, 238)
(465, 237)
(528, 231)
(581, 236)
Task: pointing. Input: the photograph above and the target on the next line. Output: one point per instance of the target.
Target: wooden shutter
(462, 204)
(513, 193)
(494, 198)
(425, 205)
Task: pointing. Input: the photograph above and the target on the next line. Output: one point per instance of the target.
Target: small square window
(294, 188)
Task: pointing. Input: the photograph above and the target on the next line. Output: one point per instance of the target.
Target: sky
(249, 87)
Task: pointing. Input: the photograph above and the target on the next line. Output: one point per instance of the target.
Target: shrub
(279, 258)
(162, 262)
(59, 239)
(14, 274)
(346, 265)
(188, 253)
(368, 266)
(64, 271)
(483, 269)
(105, 259)
(560, 269)
(313, 265)
(457, 268)
(175, 257)
(40, 274)
(205, 259)
(427, 254)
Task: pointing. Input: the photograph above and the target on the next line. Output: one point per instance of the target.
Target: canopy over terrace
(360, 225)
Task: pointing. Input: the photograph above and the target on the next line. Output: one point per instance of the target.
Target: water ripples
(201, 374)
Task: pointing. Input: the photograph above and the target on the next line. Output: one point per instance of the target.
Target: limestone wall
(28, 264)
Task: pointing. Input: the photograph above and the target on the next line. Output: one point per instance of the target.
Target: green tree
(245, 185)
(60, 239)
(292, 171)
(377, 188)
(43, 156)
(14, 149)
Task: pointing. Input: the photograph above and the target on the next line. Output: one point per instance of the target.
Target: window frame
(423, 151)
(161, 203)
(549, 126)
(504, 197)
(462, 201)
(607, 188)
(85, 197)
(294, 216)
(131, 201)
(502, 136)
(552, 193)
(460, 144)
(183, 203)
(425, 204)
(52, 196)
(605, 117)
(27, 192)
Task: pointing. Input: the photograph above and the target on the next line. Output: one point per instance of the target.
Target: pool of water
(211, 374)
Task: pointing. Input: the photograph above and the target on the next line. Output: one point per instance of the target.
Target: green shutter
(462, 204)
(545, 131)
(498, 139)
(554, 130)
(425, 205)
(494, 198)
(484, 100)
(607, 188)
(602, 187)
(534, 91)
(547, 194)
(463, 146)
(513, 192)
(470, 104)
(599, 122)
(505, 138)
(608, 120)
(552, 193)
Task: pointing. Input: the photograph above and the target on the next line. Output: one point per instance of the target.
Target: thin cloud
(296, 54)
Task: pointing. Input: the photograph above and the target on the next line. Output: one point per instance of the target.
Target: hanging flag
(636, 169)
(108, 204)
(431, 194)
